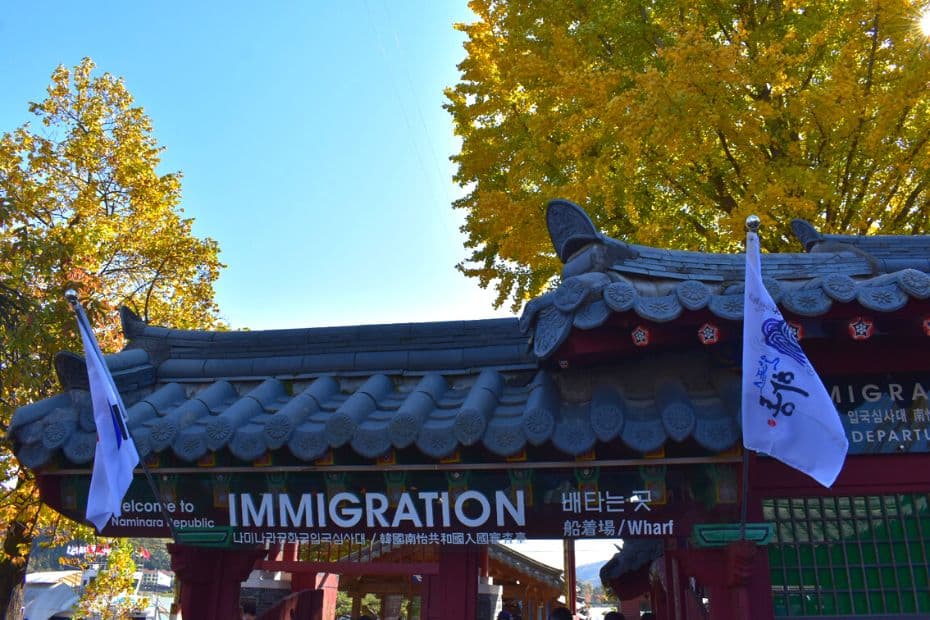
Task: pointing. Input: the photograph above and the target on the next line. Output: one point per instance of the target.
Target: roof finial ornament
(752, 223)
(570, 228)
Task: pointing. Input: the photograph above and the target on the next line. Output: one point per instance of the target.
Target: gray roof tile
(249, 442)
(643, 429)
(80, 447)
(573, 433)
(34, 455)
(505, 435)
(476, 385)
(308, 441)
(879, 272)
(502, 407)
(341, 427)
(435, 438)
(542, 408)
(471, 421)
(608, 412)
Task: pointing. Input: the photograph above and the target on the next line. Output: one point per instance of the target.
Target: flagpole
(752, 226)
(72, 298)
(745, 498)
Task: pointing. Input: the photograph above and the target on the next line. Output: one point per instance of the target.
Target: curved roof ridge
(168, 343)
(583, 249)
(718, 267)
(604, 276)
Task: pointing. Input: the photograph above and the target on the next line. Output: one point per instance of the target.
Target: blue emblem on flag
(780, 337)
(119, 426)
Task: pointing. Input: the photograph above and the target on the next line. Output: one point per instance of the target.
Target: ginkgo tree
(111, 593)
(83, 205)
(670, 121)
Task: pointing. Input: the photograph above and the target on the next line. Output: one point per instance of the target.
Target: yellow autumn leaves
(673, 120)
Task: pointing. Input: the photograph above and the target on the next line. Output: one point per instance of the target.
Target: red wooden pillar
(673, 599)
(568, 546)
(326, 583)
(737, 577)
(485, 561)
(453, 593)
(659, 597)
(289, 552)
(210, 579)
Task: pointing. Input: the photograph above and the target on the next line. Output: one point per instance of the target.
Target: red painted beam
(351, 568)
(863, 474)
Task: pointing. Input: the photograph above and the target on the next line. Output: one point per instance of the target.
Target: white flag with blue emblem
(116, 455)
(787, 413)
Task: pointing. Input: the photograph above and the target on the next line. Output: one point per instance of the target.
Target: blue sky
(313, 144)
(311, 136)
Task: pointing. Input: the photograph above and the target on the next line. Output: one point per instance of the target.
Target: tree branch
(854, 146)
(730, 158)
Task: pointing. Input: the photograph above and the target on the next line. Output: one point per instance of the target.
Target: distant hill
(589, 573)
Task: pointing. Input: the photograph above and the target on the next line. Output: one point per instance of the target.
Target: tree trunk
(14, 607)
(13, 571)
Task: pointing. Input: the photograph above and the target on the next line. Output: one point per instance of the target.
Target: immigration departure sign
(461, 506)
(883, 413)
